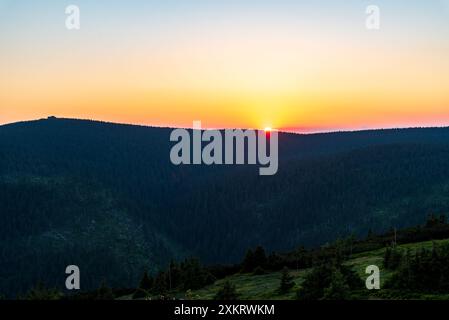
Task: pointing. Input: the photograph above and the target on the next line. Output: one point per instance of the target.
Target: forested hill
(106, 197)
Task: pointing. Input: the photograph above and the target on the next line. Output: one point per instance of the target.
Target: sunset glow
(291, 65)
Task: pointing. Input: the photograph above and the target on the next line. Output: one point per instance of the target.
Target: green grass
(254, 287)
(265, 287)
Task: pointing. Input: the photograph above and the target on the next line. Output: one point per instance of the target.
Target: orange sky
(243, 70)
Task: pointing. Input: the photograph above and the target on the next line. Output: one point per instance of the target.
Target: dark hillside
(106, 197)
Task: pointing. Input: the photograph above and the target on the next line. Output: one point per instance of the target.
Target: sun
(267, 129)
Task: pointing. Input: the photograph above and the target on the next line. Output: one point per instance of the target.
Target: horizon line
(288, 130)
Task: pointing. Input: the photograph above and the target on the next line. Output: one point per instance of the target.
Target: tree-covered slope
(107, 198)
(50, 223)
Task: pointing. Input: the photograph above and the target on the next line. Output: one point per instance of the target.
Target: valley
(122, 207)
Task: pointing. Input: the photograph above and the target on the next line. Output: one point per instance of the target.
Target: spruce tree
(260, 258)
(146, 283)
(338, 288)
(104, 292)
(286, 281)
(387, 257)
(41, 292)
(145, 286)
(248, 263)
(227, 292)
(160, 285)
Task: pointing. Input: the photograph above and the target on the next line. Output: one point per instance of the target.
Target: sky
(303, 66)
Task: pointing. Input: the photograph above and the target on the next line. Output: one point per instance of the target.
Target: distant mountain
(106, 197)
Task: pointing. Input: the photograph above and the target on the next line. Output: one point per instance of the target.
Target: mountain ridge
(189, 128)
(57, 175)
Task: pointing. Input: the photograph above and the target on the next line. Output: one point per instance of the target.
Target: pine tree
(259, 271)
(160, 285)
(260, 258)
(392, 258)
(104, 292)
(338, 288)
(254, 259)
(194, 275)
(175, 272)
(315, 282)
(228, 292)
(387, 257)
(274, 261)
(146, 283)
(248, 262)
(286, 281)
(145, 286)
(329, 280)
(41, 292)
